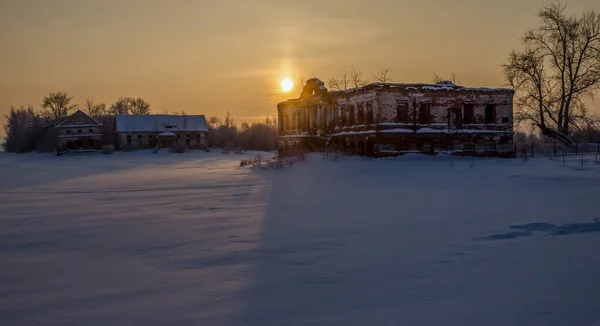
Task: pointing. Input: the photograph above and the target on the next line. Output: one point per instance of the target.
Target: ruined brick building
(385, 119)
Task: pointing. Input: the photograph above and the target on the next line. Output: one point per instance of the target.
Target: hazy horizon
(210, 57)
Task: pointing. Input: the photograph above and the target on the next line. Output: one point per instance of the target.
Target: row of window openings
(423, 117)
(467, 116)
(151, 139)
(361, 118)
(79, 131)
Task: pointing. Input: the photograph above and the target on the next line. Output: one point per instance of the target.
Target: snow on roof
(167, 134)
(441, 86)
(160, 122)
(78, 117)
(349, 133)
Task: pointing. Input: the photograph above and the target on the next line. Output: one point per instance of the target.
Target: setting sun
(287, 84)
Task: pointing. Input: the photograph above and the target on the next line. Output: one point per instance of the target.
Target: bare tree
(558, 68)
(139, 106)
(57, 106)
(339, 82)
(228, 120)
(214, 122)
(453, 79)
(438, 79)
(22, 127)
(89, 105)
(356, 78)
(383, 75)
(94, 109)
(130, 105)
(121, 106)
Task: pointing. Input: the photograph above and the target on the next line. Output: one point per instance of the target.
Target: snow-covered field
(195, 239)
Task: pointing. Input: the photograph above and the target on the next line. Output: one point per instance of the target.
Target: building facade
(79, 132)
(386, 119)
(160, 131)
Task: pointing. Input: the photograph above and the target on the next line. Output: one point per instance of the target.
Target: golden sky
(213, 56)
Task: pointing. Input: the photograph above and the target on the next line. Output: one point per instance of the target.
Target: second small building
(160, 131)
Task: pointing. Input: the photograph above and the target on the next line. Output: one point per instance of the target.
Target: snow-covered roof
(167, 134)
(78, 119)
(441, 86)
(160, 122)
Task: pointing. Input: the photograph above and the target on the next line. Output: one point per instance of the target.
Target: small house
(79, 132)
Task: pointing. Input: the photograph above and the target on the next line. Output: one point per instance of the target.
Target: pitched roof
(78, 119)
(160, 122)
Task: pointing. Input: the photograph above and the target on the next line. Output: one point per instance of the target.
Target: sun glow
(287, 85)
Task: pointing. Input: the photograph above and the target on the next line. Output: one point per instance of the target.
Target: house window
(504, 140)
(361, 115)
(78, 131)
(68, 132)
(490, 114)
(402, 112)
(91, 131)
(343, 114)
(369, 113)
(424, 114)
(287, 121)
(188, 141)
(505, 120)
(455, 118)
(351, 119)
(469, 114)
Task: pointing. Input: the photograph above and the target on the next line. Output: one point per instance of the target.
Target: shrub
(108, 149)
(127, 148)
(178, 148)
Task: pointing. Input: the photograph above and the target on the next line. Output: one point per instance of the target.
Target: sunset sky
(210, 57)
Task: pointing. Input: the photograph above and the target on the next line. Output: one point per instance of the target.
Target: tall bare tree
(438, 79)
(94, 109)
(57, 106)
(346, 79)
(557, 69)
(121, 106)
(130, 105)
(356, 78)
(214, 122)
(383, 75)
(339, 82)
(139, 106)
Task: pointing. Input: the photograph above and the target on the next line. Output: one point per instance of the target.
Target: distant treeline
(29, 129)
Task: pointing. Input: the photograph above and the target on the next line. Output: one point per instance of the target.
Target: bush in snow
(178, 147)
(108, 149)
(127, 148)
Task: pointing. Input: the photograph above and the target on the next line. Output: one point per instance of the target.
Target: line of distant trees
(29, 129)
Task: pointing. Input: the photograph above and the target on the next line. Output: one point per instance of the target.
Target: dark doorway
(490, 114)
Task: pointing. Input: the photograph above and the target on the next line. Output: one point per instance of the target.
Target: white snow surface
(195, 239)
